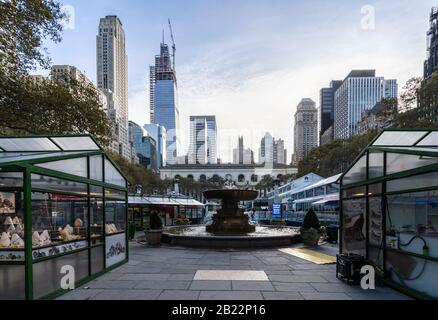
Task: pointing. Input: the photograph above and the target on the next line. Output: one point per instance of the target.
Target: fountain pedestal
(230, 219)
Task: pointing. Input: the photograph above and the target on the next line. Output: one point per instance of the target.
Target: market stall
(63, 205)
(389, 209)
(169, 209)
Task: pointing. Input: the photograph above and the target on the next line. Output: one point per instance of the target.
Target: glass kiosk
(389, 209)
(63, 204)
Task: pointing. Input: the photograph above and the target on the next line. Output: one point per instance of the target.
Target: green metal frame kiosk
(63, 208)
(389, 209)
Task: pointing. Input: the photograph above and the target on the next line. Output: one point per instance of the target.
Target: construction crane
(173, 44)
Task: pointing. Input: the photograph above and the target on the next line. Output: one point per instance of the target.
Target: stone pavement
(168, 273)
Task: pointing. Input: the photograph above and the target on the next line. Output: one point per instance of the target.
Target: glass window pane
(58, 219)
(357, 173)
(11, 226)
(115, 194)
(96, 168)
(399, 138)
(374, 189)
(47, 274)
(375, 165)
(402, 162)
(376, 216)
(96, 220)
(409, 215)
(115, 216)
(96, 191)
(77, 167)
(58, 185)
(430, 140)
(354, 192)
(424, 180)
(354, 226)
(76, 143)
(112, 175)
(11, 179)
(12, 282)
(27, 144)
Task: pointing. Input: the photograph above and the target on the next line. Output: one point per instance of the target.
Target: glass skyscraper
(164, 109)
(203, 140)
(360, 91)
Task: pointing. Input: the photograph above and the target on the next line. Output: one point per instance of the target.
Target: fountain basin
(198, 237)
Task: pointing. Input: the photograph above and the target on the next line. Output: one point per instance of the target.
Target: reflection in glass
(96, 220)
(419, 181)
(375, 164)
(96, 168)
(112, 175)
(57, 219)
(11, 179)
(115, 216)
(77, 167)
(357, 173)
(402, 162)
(58, 185)
(11, 226)
(399, 138)
(354, 226)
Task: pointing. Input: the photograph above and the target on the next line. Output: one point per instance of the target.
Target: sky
(250, 62)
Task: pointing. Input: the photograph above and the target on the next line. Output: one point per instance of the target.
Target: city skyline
(247, 71)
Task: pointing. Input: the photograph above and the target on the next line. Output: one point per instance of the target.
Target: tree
(28, 106)
(24, 25)
(408, 97)
(335, 157)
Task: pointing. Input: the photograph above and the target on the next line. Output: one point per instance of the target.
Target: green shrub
(311, 220)
(155, 221)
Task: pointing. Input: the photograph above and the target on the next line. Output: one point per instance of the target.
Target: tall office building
(428, 107)
(327, 108)
(242, 155)
(203, 140)
(164, 109)
(431, 63)
(266, 151)
(158, 133)
(280, 153)
(112, 79)
(67, 72)
(360, 91)
(305, 129)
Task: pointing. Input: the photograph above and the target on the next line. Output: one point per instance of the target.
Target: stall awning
(163, 201)
(327, 201)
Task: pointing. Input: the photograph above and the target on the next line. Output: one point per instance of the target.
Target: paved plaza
(174, 273)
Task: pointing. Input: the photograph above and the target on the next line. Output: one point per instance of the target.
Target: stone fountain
(231, 219)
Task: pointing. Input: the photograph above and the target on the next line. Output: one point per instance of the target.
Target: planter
(153, 237)
(310, 237)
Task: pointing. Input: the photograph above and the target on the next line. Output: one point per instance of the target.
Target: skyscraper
(305, 129)
(203, 140)
(144, 146)
(242, 155)
(327, 107)
(280, 154)
(266, 152)
(360, 91)
(158, 133)
(112, 79)
(164, 109)
(431, 63)
(428, 105)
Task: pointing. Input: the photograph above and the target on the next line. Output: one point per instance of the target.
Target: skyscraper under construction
(164, 109)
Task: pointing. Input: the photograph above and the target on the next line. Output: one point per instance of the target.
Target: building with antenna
(164, 110)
